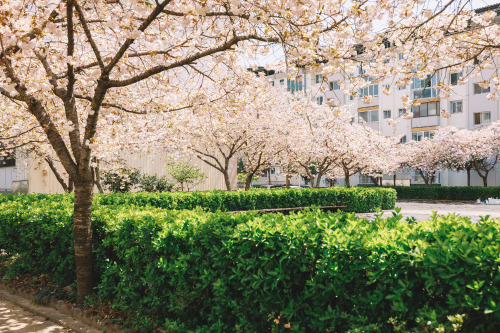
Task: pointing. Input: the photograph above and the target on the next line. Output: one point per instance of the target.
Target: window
(423, 88)
(482, 118)
(403, 139)
(456, 107)
(294, 85)
(402, 88)
(282, 82)
(8, 160)
(454, 78)
(273, 171)
(387, 114)
(425, 110)
(272, 83)
(319, 100)
(479, 90)
(418, 136)
(369, 116)
(386, 86)
(319, 78)
(401, 112)
(371, 90)
(334, 85)
(351, 97)
(400, 56)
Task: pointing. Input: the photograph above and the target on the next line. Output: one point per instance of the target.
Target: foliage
(154, 183)
(121, 180)
(193, 271)
(124, 180)
(446, 192)
(185, 174)
(355, 200)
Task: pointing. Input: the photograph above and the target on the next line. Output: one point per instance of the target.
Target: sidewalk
(18, 314)
(422, 210)
(16, 319)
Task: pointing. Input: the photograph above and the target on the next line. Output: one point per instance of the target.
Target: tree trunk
(227, 181)
(347, 178)
(287, 181)
(57, 175)
(332, 182)
(318, 179)
(394, 178)
(248, 181)
(424, 177)
(374, 180)
(468, 175)
(269, 176)
(98, 179)
(82, 239)
(485, 179)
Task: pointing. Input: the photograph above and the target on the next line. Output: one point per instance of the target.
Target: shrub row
(447, 192)
(193, 271)
(355, 199)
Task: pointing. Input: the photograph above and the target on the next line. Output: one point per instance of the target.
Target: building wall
(472, 103)
(42, 180)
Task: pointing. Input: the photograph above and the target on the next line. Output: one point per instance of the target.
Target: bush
(356, 199)
(154, 183)
(193, 271)
(121, 180)
(466, 193)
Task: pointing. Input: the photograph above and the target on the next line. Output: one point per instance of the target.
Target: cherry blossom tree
(71, 69)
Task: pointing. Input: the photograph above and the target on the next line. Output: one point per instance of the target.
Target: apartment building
(468, 106)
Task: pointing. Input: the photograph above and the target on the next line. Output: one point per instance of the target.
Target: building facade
(467, 107)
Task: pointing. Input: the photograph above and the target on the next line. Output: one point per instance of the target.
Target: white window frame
(422, 135)
(371, 116)
(481, 89)
(454, 107)
(485, 117)
(387, 114)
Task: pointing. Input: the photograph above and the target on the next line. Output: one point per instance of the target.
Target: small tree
(185, 174)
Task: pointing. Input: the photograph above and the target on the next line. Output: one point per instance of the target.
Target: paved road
(16, 319)
(422, 210)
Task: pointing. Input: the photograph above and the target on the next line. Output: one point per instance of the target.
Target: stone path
(16, 319)
(422, 210)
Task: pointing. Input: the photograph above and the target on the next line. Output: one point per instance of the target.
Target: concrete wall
(42, 180)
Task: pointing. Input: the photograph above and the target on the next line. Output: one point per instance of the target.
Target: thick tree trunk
(248, 181)
(347, 178)
(82, 239)
(287, 181)
(375, 180)
(332, 182)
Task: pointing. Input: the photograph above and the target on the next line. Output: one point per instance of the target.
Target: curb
(52, 314)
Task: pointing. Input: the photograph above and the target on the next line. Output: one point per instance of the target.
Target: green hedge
(356, 199)
(446, 192)
(312, 272)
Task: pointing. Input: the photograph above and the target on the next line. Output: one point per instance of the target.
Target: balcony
(425, 121)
